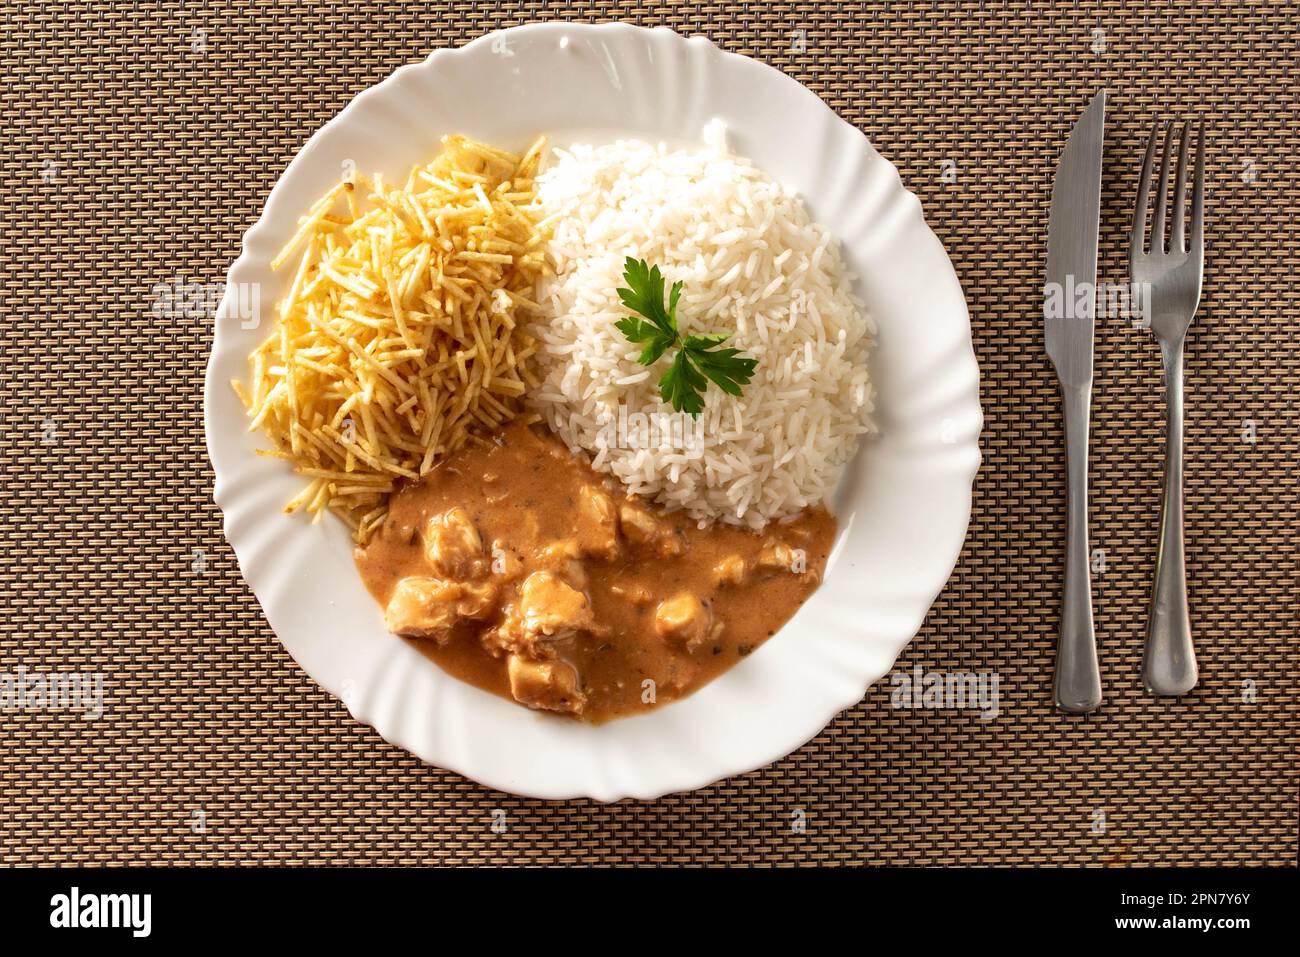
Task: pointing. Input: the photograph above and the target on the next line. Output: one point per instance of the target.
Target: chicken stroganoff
(522, 571)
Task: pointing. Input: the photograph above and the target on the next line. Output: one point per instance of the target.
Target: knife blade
(1069, 310)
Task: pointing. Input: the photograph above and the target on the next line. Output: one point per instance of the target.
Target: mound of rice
(755, 266)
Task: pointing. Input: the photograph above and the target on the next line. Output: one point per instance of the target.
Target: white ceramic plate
(903, 505)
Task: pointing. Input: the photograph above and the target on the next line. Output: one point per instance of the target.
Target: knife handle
(1078, 679)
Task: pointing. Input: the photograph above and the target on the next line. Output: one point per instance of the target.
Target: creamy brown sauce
(520, 570)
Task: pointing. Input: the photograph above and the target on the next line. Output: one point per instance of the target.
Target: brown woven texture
(141, 139)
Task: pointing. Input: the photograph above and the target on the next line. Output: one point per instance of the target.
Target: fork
(1172, 272)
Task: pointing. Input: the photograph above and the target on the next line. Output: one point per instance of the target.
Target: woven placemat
(141, 141)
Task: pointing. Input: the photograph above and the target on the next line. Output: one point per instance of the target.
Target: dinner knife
(1069, 308)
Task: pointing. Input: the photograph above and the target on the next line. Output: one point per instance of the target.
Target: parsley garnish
(698, 360)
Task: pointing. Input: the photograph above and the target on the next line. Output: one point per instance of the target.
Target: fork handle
(1078, 679)
(1169, 663)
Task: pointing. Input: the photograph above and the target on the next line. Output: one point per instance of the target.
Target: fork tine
(1158, 222)
(1137, 239)
(1176, 241)
(1198, 191)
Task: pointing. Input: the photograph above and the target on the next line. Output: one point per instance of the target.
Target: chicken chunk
(477, 599)
(642, 528)
(431, 607)
(639, 524)
(782, 556)
(683, 620)
(731, 570)
(550, 606)
(597, 526)
(454, 546)
(547, 685)
(562, 550)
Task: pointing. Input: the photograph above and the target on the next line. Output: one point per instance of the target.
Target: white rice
(754, 266)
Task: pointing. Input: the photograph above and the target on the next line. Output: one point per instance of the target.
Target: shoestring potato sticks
(402, 334)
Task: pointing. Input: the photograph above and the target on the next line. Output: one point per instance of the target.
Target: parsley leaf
(638, 330)
(728, 369)
(681, 385)
(646, 295)
(699, 359)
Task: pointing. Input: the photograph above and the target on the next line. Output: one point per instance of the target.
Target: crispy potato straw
(402, 333)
